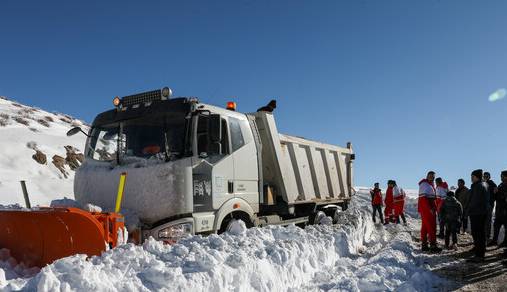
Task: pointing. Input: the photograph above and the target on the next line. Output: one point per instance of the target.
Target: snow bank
(353, 255)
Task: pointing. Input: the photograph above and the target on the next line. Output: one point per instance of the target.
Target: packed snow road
(355, 255)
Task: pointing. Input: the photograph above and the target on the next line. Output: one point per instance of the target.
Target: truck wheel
(238, 216)
(318, 217)
(336, 215)
(345, 206)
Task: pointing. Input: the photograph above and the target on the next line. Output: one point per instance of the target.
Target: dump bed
(302, 170)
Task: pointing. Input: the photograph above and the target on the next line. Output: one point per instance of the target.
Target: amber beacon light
(231, 105)
(116, 101)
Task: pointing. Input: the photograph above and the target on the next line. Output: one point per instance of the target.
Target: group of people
(394, 203)
(453, 209)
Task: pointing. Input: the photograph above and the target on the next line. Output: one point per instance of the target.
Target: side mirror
(74, 131)
(215, 128)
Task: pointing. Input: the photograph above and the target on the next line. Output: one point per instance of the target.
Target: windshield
(159, 137)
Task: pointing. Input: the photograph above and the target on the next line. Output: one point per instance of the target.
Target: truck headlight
(175, 232)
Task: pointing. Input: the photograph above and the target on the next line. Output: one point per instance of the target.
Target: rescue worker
(441, 191)
(451, 213)
(477, 209)
(399, 203)
(501, 210)
(270, 107)
(463, 196)
(492, 187)
(389, 203)
(427, 209)
(376, 202)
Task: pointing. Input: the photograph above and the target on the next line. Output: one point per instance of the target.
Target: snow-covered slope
(23, 130)
(355, 255)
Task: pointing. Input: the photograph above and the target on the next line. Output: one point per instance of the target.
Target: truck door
(244, 152)
(215, 165)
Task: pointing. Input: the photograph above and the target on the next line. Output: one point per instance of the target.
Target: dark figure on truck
(376, 203)
(270, 107)
(451, 213)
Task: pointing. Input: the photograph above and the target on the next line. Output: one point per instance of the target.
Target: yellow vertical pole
(121, 187)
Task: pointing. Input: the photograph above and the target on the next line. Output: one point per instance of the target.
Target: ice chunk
(237, 227)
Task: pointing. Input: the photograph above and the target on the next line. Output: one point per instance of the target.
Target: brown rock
(73, 158)
(39, 157)
(59, 162)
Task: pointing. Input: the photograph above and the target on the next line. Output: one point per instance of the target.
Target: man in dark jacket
(478, 208)
(492, 190)
(501, 210)
(451, 213)
(463, 196)
(376, 202)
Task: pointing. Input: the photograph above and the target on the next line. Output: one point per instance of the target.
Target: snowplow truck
(193, 168)
(190, 168)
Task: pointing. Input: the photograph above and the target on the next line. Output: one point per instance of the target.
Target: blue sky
(406, 81)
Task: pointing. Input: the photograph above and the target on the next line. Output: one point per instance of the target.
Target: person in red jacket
(376, 202)
(399, 203)
(427, 209)
(441, 194)
(389, 203)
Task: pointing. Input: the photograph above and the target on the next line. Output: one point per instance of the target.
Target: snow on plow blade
(39, 237)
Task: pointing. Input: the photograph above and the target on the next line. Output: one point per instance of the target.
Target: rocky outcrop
(73, 158)
(39, 157)
(60, 162)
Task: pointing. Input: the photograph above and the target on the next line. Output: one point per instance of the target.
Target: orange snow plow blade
(39, 237)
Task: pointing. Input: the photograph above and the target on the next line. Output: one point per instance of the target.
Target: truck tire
(235, 215)
(318, 217)
(336, 215)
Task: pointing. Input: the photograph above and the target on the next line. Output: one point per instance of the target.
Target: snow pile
(23, 131)
(352, 255)
(66, 202)
(10, 269)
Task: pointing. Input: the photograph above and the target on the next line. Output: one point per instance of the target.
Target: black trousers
(479, 225)
(451, 229)
(499, 222)
(441, 225)
(377, 208)
(402, 215)
(464, 223)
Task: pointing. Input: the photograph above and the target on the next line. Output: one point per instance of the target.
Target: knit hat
(504, 173)
(477, 173)
(450, 194)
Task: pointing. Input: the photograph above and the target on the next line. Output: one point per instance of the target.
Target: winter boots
(433, 248)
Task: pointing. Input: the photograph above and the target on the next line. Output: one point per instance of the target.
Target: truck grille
(144, 97)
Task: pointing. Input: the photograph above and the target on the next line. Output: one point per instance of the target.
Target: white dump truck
(193, 167)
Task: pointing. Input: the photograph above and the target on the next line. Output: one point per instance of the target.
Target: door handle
(230, 187)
